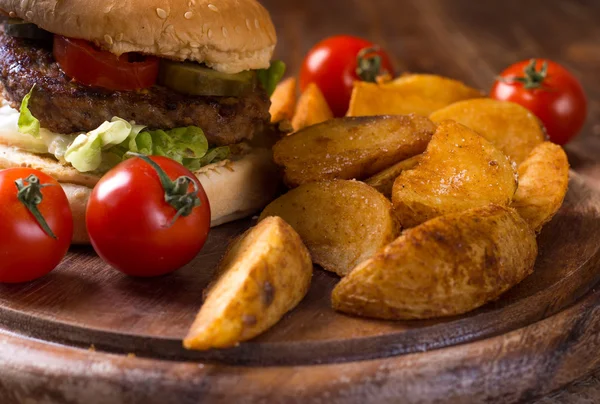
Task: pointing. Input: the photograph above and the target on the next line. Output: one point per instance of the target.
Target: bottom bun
(78, 196)
(235, 188)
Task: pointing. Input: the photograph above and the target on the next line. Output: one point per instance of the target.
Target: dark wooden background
(471, 40)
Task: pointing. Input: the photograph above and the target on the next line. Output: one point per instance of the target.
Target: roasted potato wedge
(265, 273)
(410, 94)
(312, 108)
(351, 148)
(510, 127)
(283, 101)
(458, 171)
(341, 222)
(444, 267)
(383, 181)
(543, 183)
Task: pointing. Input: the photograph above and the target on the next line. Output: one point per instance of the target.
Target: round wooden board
(537, 337)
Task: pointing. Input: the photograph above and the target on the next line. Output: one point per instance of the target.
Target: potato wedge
(410, 94)
(510, 127)
(543, 183)
(312, 108)
(458, 171)
(351, 148)
(444, 267)
(265, 273)
(383, 181)
(283, 101)
(341, 222)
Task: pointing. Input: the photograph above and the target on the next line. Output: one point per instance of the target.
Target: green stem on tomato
(368, 64)
(532, 78)
(30, 196)
(176, 193)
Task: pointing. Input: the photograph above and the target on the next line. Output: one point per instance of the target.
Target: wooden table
(471, 41)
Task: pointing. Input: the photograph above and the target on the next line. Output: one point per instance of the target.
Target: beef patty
(65, 106)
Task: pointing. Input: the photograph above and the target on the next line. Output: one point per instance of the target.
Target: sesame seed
(188, 15)
(169, 28)
(210, 33)
(213, 8)
(161, 13)
(119, 37)
(248, 24)
(256, 23)
(108, 39)
(29, 14)
(194, 44)
(12, 14)
(224, 32)
(205, 27)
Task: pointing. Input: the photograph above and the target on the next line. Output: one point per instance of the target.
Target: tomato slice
(91, 66)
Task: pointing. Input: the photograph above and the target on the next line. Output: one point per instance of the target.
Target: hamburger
(83, 83)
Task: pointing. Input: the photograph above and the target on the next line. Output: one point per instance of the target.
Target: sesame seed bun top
(227, 35)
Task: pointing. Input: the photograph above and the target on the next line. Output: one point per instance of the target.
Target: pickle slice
(21, 29)
(194, 79)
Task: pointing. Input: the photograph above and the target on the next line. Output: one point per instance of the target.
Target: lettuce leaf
(177, 144)
(85, 153)
(188, 146)
(213, 155)
(107, 145)
(28, 124)
(269, 78)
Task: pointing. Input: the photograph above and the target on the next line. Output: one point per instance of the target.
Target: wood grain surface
(537, 338)
(85, 302)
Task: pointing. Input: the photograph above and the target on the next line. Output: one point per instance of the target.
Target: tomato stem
(31, 196)
(368, 64)
(176, 193)
(532, 78)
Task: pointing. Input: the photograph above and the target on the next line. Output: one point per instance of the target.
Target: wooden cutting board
(88, 334)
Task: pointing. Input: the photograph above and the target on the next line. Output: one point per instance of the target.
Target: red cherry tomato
(27, 251)
(91, 66)
(552, 93)
(331, 65)
(134, 228)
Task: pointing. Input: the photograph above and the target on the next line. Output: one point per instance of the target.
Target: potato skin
(264, 274)
(510, 127)
(444, 267)
(341, 222)
(283, 101)
(351, 147)
(543, 183)
(458, 171)
(383, 181)
(311, 109)
(408, 94)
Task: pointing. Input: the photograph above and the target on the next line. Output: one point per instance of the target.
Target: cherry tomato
(27, 250)
(91, 66)
(548, 90)
(332, 64)
(134, 228)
